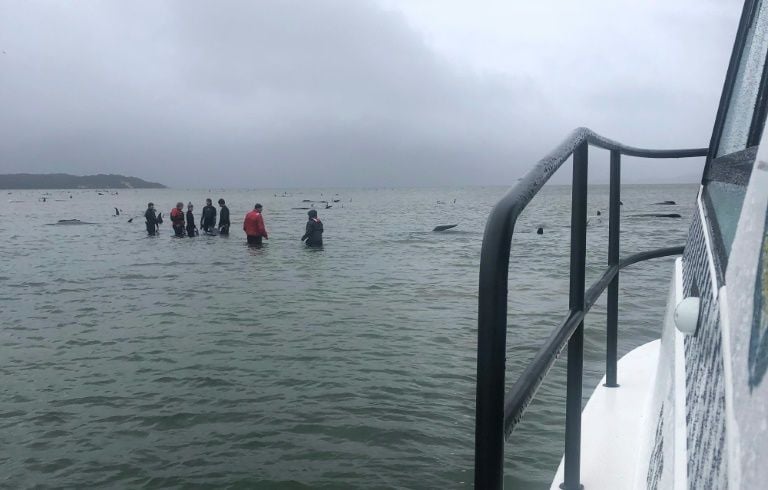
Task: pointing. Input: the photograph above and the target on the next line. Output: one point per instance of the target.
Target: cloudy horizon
(353, 92)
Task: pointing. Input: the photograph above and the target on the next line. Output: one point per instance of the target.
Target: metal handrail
(495, 417)
(529, 381)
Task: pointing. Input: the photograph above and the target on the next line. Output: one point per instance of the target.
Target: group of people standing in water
(253, 224)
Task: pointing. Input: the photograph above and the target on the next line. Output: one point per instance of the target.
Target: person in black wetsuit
(191, 228)
(223, 218)
(208, 219)
(314, 234)
(151, 218)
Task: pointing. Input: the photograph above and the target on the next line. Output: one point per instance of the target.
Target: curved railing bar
(492, 291)
(652, 254)
(595, 139)
(528, 383)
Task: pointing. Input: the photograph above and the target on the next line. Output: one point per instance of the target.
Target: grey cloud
(274, 93)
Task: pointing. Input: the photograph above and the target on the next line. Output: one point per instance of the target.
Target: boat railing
(497, 415)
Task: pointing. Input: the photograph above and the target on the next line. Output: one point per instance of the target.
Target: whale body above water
(444, 227)
(658, 215)
(71, 222)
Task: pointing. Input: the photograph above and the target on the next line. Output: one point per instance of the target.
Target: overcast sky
(283, 93)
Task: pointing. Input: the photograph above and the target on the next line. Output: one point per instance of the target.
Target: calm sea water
(143, 362)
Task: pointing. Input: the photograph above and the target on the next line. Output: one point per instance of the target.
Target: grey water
(144, 362)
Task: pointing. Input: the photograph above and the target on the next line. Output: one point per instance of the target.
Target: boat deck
(615, 423)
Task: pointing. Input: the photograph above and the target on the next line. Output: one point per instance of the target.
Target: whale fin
(444, 227)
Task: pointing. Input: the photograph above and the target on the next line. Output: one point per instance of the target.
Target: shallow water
(133, 361)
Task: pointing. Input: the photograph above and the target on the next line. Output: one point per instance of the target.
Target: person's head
(151, 205)
(312, 213)
(221, 202)
(258, 207)
(179, 205)
(208, 202)
(190, 206)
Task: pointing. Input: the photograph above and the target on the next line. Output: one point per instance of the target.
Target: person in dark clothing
(177, 219)
(151, 218)
(208, 219)
(191, 228)
(314, 233)
(223, 218)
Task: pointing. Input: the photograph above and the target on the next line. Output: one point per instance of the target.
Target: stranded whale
(444, 227)
(658, 215)
(71, 222)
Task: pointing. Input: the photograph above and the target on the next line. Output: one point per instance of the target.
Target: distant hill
(66, 181)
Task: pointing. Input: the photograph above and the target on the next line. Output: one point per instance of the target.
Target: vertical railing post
(491, 355)
(576, 302)
(612, 320)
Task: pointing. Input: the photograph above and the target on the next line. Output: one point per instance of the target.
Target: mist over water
(133, 361)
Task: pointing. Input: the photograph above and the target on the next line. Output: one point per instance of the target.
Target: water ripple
(202, 363)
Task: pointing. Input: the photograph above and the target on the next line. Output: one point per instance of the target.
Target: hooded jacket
(314, 234)
(254, 224)
(177, 217)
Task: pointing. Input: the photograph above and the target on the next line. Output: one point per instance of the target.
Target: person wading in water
(191, 228)
(254, 226)
(223, 218)
(177, 219)
(208, 219)
(151, 218)
(314, 233)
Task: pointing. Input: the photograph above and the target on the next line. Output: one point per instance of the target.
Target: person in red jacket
(177, 219)
(254, 226)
